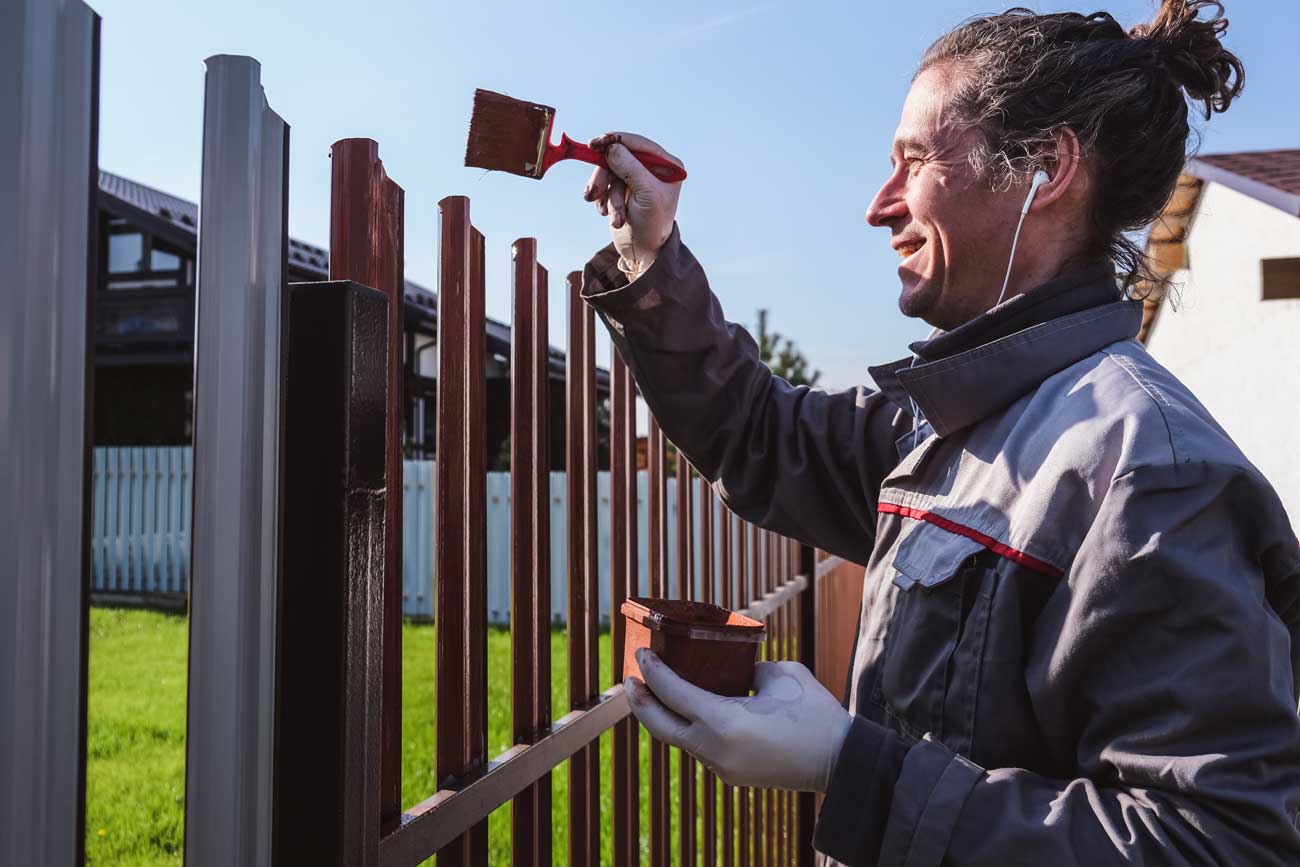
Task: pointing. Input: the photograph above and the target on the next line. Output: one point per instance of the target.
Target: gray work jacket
(1077, 641)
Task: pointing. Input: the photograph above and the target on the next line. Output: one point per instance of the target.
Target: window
(1280, 278)
(125, 253)
(137, 260)
(161, 260)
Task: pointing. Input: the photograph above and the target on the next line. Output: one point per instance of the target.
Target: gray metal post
(49, 71)
(237, 452)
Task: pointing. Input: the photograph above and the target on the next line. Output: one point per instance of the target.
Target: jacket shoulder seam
(1152, 391)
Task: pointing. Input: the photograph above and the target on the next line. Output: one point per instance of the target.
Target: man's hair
(1021, 77)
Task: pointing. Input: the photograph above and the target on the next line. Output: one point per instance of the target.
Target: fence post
(657, 562)
(234, 556)
(806, 804)
(49, 61)
(625, 773)
(530, 533)
(367, 246)
(327, 773)
(461, 517)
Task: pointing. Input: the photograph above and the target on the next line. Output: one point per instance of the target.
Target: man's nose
(888, 205)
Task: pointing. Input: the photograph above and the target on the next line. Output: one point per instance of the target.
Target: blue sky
(782, 112)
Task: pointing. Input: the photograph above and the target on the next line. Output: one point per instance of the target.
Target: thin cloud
(722, 20)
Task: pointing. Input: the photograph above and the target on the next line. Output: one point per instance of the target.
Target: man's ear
(1063, 169)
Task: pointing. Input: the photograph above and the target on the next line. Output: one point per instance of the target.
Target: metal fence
(293, 747)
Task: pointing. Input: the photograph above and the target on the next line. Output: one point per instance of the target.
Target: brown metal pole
(576, 469)
(462, 518)
(770, 828)
(367, 247)
(331, 578)
(728, 601)
(591, 563)
(743, 598)
(759, 584)
(632, 729)
(709, 817)
(806, 802)
(685, 590)
(617, 592)
(656, 556)
(530, 546)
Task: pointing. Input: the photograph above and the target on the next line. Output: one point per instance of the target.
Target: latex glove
(641, 208)
(785, 736)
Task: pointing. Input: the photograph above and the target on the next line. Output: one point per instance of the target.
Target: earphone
(1040, 177)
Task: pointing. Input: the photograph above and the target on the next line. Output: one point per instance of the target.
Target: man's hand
(641, 208)
(785, 736)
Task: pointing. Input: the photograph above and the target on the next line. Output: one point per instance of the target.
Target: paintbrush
(511, 135)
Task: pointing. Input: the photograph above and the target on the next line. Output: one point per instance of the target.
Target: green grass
(135, 775)
(135, 738)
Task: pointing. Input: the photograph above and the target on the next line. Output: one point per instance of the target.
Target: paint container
(707, 645)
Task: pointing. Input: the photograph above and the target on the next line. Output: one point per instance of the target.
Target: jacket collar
(959, 377)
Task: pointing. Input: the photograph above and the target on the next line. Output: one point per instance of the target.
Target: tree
(785, 359)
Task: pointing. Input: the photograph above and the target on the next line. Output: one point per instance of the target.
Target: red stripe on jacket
(1026, 560)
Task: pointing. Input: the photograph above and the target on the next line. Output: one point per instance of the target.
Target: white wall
(1239, 355)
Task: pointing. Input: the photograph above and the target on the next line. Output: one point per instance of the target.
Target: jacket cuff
(606, 288)
(928, 798)
(852, 822)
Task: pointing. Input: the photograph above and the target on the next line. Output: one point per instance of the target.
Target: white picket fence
(141, 526)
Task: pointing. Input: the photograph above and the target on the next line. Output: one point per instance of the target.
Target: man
(1077, 642)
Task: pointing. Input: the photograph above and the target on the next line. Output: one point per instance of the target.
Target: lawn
(135, 776)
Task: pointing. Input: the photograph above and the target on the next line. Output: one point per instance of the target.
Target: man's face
(953, 230)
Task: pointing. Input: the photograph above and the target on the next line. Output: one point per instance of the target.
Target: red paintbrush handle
(568, 149)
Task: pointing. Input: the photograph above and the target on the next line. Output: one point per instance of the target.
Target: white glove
(785, 736)
(641, 208)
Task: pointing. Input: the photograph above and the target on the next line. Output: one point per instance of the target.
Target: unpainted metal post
(49, 103)
(242, 272)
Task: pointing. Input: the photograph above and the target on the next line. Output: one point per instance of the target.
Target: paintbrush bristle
(507, 134)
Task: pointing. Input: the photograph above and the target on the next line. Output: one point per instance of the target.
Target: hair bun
(1191, 50)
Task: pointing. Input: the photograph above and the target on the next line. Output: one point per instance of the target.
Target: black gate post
(327, 763)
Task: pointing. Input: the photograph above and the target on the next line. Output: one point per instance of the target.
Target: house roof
(1271, 177)
(182, 215)
(177, 220)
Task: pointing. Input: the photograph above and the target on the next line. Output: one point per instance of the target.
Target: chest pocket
(934, 645)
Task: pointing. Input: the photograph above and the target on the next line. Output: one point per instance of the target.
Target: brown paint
(707, 645)
(507, 134)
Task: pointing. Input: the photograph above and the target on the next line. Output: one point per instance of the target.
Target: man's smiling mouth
(909, 249)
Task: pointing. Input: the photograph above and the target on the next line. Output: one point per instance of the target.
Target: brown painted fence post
(530, 600)
(807, 801)
(625, 774)
(660, 811)
(744, 795)
(367, 246)
(331, 593)
(462, 518)
(685, 590)
(709, 841)
(728, 601)
(580, 470)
